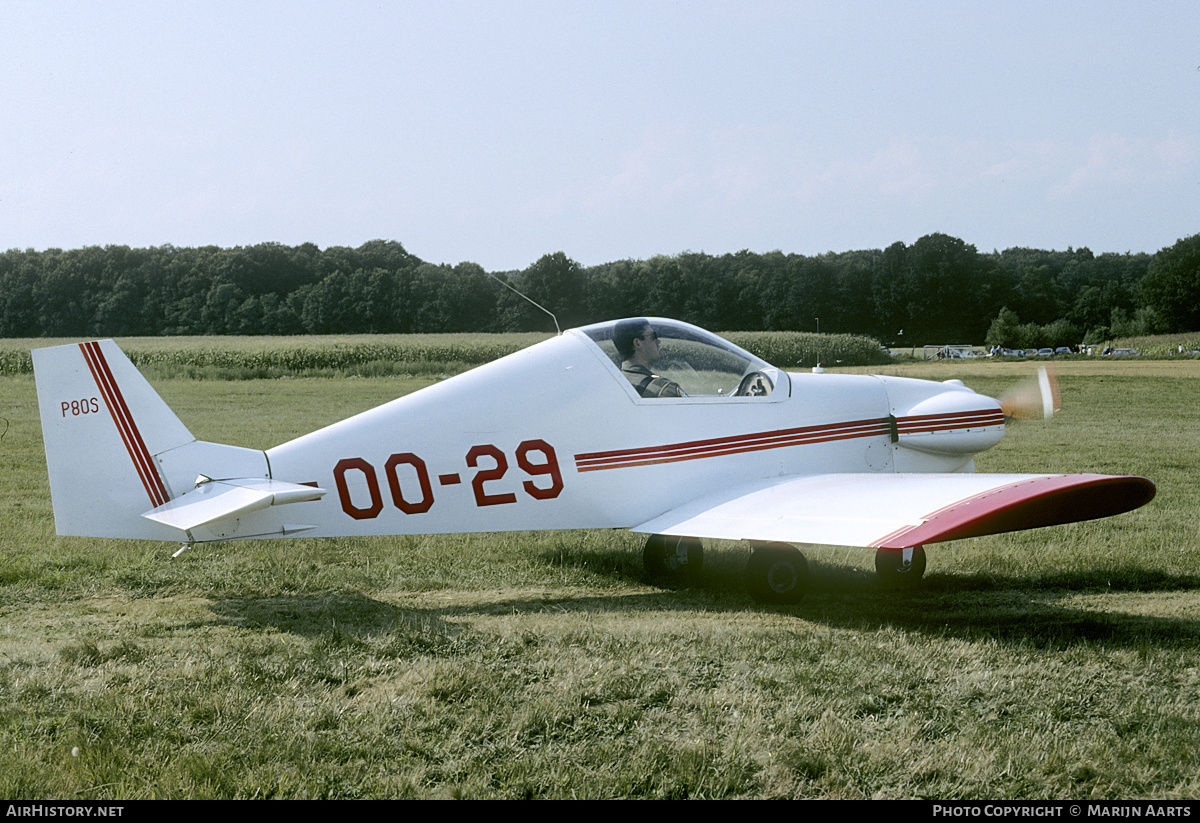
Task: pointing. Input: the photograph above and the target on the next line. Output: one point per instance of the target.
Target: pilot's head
(628, 331)
(636, 342)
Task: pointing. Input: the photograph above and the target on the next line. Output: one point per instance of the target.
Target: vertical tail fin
(103, 426)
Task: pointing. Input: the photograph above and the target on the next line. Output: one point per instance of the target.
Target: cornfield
(791, 350)
(1163, 345)
(370, 355)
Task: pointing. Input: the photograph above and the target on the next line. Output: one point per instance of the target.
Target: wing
(900, 510)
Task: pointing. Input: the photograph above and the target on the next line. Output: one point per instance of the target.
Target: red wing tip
(1027, 504)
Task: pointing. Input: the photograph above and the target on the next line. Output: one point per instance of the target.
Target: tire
(776, 574)
(668, 558)
(894, 573)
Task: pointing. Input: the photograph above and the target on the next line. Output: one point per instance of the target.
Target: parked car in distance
(1063, 350)
(1045, 352)
(1119, 352)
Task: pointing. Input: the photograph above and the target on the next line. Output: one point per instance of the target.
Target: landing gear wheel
(777, 573)
(900, 568)
(670, 558)
(754, 384)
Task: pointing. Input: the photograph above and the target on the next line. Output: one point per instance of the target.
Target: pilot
(637, 345)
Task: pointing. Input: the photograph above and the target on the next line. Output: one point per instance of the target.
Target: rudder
(103, 425)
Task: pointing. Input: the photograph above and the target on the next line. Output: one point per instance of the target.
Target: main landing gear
(900, 568)
(777, 573)
(668, 558)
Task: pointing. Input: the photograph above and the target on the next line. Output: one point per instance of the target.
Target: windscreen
(701, 363)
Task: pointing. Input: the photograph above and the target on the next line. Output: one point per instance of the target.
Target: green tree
(1172, 286)
(458, 299)
(616, 290)
(220, 312)
(938, 288)
(555, 282)
(1005, 330)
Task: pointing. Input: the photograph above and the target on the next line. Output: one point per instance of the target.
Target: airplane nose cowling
(955, 422)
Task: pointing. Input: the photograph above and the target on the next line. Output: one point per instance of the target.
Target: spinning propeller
(1036, 398)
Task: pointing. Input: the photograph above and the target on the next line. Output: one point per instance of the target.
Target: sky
(497, 132)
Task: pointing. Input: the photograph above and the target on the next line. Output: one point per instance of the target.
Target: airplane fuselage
(557, 436)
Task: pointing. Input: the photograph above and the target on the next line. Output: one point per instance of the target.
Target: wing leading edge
(896, 511)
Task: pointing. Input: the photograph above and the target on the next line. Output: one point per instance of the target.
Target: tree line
(939, 289)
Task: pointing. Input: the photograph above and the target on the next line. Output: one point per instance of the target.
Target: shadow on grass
(334, 614)
(1027, 611)
(723, 572)
(976, 606)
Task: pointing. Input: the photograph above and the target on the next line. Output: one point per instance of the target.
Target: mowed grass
(1059, 663)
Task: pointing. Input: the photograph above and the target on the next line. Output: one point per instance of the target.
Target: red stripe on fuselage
(782, 438)
(950, 421)
(143, 462)
(721, 446)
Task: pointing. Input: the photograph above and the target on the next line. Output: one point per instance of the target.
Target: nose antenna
(514, 289)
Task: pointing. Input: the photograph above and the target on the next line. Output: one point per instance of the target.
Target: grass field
(1060, 663)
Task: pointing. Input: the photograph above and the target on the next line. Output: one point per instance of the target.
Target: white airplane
(560, 436)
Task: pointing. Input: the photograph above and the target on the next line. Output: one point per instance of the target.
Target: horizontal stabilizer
(900, 510)
(215, 500)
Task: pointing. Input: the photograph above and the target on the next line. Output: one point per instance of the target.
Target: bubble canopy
(700, 362)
